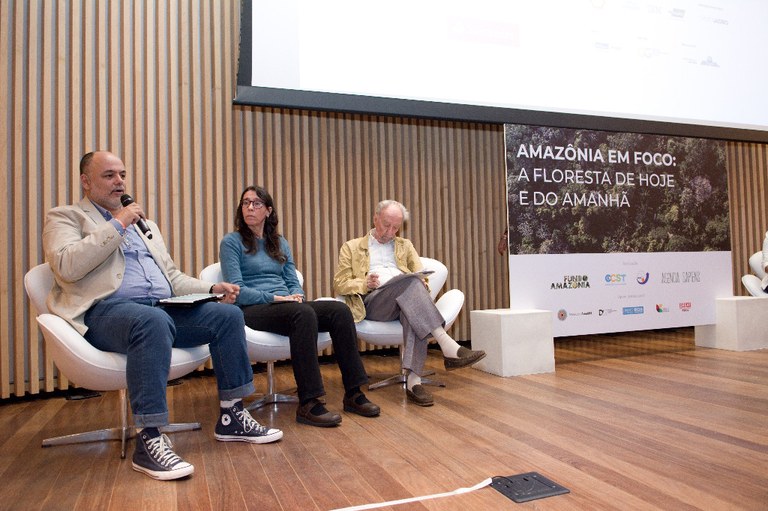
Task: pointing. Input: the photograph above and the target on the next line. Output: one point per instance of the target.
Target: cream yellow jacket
(354, 263)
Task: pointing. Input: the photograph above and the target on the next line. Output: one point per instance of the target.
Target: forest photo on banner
(616, 231)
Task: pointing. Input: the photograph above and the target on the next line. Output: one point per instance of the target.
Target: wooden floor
(635, 421)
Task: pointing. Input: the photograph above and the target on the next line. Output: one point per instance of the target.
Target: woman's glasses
(247, 203)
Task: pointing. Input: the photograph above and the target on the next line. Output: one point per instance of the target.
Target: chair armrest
(450, 305)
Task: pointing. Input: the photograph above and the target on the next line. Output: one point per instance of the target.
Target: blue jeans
(146, 333)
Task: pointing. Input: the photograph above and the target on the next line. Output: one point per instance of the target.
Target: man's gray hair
(387, 203)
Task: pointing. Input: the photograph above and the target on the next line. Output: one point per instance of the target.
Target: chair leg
(395, 379)
(122, 433)
(125, 430)
(271, 396)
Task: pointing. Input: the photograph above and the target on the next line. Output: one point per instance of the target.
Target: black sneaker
(235, 424)
(154, 456)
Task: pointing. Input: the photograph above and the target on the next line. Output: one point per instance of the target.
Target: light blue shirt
(260, 277)
(143, 278)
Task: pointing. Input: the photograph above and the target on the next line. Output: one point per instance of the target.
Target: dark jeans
(146, 335)
(301, 322)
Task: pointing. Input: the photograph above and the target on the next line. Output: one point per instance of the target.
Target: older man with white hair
(381, 257)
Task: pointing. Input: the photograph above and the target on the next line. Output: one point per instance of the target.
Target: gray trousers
(407, 300)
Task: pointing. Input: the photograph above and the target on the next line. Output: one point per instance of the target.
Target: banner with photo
(616, 231)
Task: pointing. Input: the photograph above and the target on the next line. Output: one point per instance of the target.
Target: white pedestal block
(741, 325)
(517, 342)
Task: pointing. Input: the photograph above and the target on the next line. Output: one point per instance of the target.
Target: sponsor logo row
(622, 279)
(632, 310)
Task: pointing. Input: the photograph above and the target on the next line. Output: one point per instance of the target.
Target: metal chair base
(122, 433)
(272, 397)
(400, 378)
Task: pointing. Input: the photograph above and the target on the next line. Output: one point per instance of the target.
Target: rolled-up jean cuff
(151, 420)
(237, 393)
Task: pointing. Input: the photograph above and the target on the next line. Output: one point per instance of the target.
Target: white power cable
(458, 491)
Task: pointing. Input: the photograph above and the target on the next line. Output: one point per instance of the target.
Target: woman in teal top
(258, 259)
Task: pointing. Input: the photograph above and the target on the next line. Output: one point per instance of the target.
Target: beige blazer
(83, 251)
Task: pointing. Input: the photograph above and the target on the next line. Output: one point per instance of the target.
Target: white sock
(412, 379)
(229, 403)
(448, 346)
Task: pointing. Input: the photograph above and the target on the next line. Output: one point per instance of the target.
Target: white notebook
(191, 299)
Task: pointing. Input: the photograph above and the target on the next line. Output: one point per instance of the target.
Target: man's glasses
(246, 203)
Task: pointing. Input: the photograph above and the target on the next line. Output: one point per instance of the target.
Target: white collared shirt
(382, 259)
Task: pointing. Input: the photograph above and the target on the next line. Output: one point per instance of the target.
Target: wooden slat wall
(153, 82)
(747, 190)
(328, 171)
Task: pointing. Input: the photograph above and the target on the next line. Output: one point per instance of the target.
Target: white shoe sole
(165, 475)
(266, 439)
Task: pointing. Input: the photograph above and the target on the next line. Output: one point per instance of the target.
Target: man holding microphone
(109, 278)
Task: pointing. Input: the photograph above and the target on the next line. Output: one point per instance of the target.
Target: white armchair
(267, 347)
(91, 368)
(754, 286)
(756, 264)
(390, 333)
(753, 283)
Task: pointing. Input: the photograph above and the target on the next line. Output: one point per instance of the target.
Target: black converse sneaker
(235, 424)
(154, 456)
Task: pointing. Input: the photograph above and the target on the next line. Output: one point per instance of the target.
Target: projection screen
(690, 68)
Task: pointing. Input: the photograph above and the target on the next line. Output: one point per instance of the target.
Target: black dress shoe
(466, 357)
(418, 395)
(360, 405)
(325, 419)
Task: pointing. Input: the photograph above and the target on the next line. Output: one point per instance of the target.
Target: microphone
(125, 200)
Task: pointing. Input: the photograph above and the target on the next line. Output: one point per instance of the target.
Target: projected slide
(616, 231)
(688, 61)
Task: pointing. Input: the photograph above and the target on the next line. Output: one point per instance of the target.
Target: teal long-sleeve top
(259, 276)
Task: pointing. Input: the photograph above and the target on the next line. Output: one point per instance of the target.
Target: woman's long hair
(271, 235)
